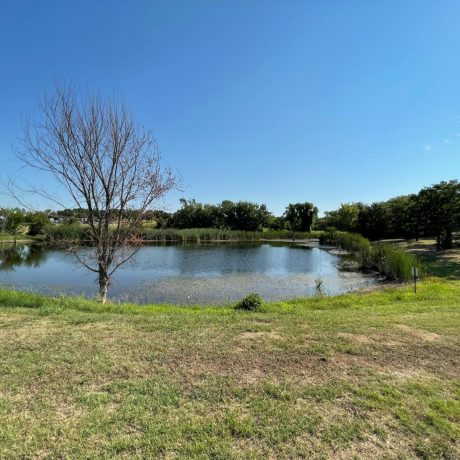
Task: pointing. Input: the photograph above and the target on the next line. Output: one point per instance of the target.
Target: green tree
(195, 215)
(300, 217)
(249, 216)
(440, 211)
(242, 215)
(403, 217)
(14, 221)
(345, 218)
(37, 223)
(373, 221)
(277, 223)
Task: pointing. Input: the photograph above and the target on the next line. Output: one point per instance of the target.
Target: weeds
(251, 302)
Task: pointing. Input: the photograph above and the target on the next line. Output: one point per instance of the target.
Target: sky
(262, 100)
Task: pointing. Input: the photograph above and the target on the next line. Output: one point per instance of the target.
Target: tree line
(227, 215)
(432, 212)
(241, 215)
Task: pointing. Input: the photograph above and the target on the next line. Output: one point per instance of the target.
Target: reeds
(391, 261)
(208, 235)
(394, 262)
(64, 233)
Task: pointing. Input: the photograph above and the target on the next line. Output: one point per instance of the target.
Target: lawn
(372, 375)
(445, 264)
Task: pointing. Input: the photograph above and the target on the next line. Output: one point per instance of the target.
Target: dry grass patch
(419, 334)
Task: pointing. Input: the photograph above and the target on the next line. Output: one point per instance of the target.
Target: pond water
(186, 274)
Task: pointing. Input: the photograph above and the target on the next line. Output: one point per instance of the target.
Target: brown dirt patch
(260, 334)
(419, 334)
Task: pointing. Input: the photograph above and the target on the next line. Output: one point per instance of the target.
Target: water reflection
(22, 255)
(219, 273)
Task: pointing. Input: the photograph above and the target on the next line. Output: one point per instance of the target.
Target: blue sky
(267, 101)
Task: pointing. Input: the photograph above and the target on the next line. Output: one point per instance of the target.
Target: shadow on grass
(443, 267)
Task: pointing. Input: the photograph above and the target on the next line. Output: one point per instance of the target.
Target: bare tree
(108, 164)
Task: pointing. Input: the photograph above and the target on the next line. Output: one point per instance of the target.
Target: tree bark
(103, 285)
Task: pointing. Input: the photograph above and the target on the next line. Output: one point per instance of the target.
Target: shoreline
(308, 243)
(379, 286)
(23, 241)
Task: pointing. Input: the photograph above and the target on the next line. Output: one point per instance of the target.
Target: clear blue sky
(268, 101)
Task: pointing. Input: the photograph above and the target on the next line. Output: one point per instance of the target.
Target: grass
(371, 375)
(444, 263)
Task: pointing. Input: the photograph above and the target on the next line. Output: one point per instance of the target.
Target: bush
(38, 223)
(251, 302)
(388, 260)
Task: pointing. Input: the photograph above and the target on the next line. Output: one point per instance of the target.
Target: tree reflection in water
(22, 255)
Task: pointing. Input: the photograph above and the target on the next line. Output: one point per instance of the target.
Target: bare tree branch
(108, 164)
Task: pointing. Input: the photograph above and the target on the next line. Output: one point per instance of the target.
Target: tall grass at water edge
(56, 234)
(64, 233)
(203, 235)
(388, 260)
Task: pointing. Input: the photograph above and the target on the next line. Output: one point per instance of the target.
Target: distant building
(54, 219)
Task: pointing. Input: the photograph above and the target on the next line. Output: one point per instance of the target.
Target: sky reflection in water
(186, 274)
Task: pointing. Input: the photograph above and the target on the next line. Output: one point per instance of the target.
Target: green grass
(20, 237)
(444, 263)
(370, 375)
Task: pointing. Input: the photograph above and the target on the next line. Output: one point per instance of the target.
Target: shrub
(251, 302)
(393, 262)
(38, 223)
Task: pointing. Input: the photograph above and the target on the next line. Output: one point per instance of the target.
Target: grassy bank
(357, 376)
(7, 238)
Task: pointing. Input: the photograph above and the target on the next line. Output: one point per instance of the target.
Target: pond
(186, 274)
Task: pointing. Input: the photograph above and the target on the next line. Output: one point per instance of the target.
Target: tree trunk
(103, 285)
(447, 244)
(438, 242)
